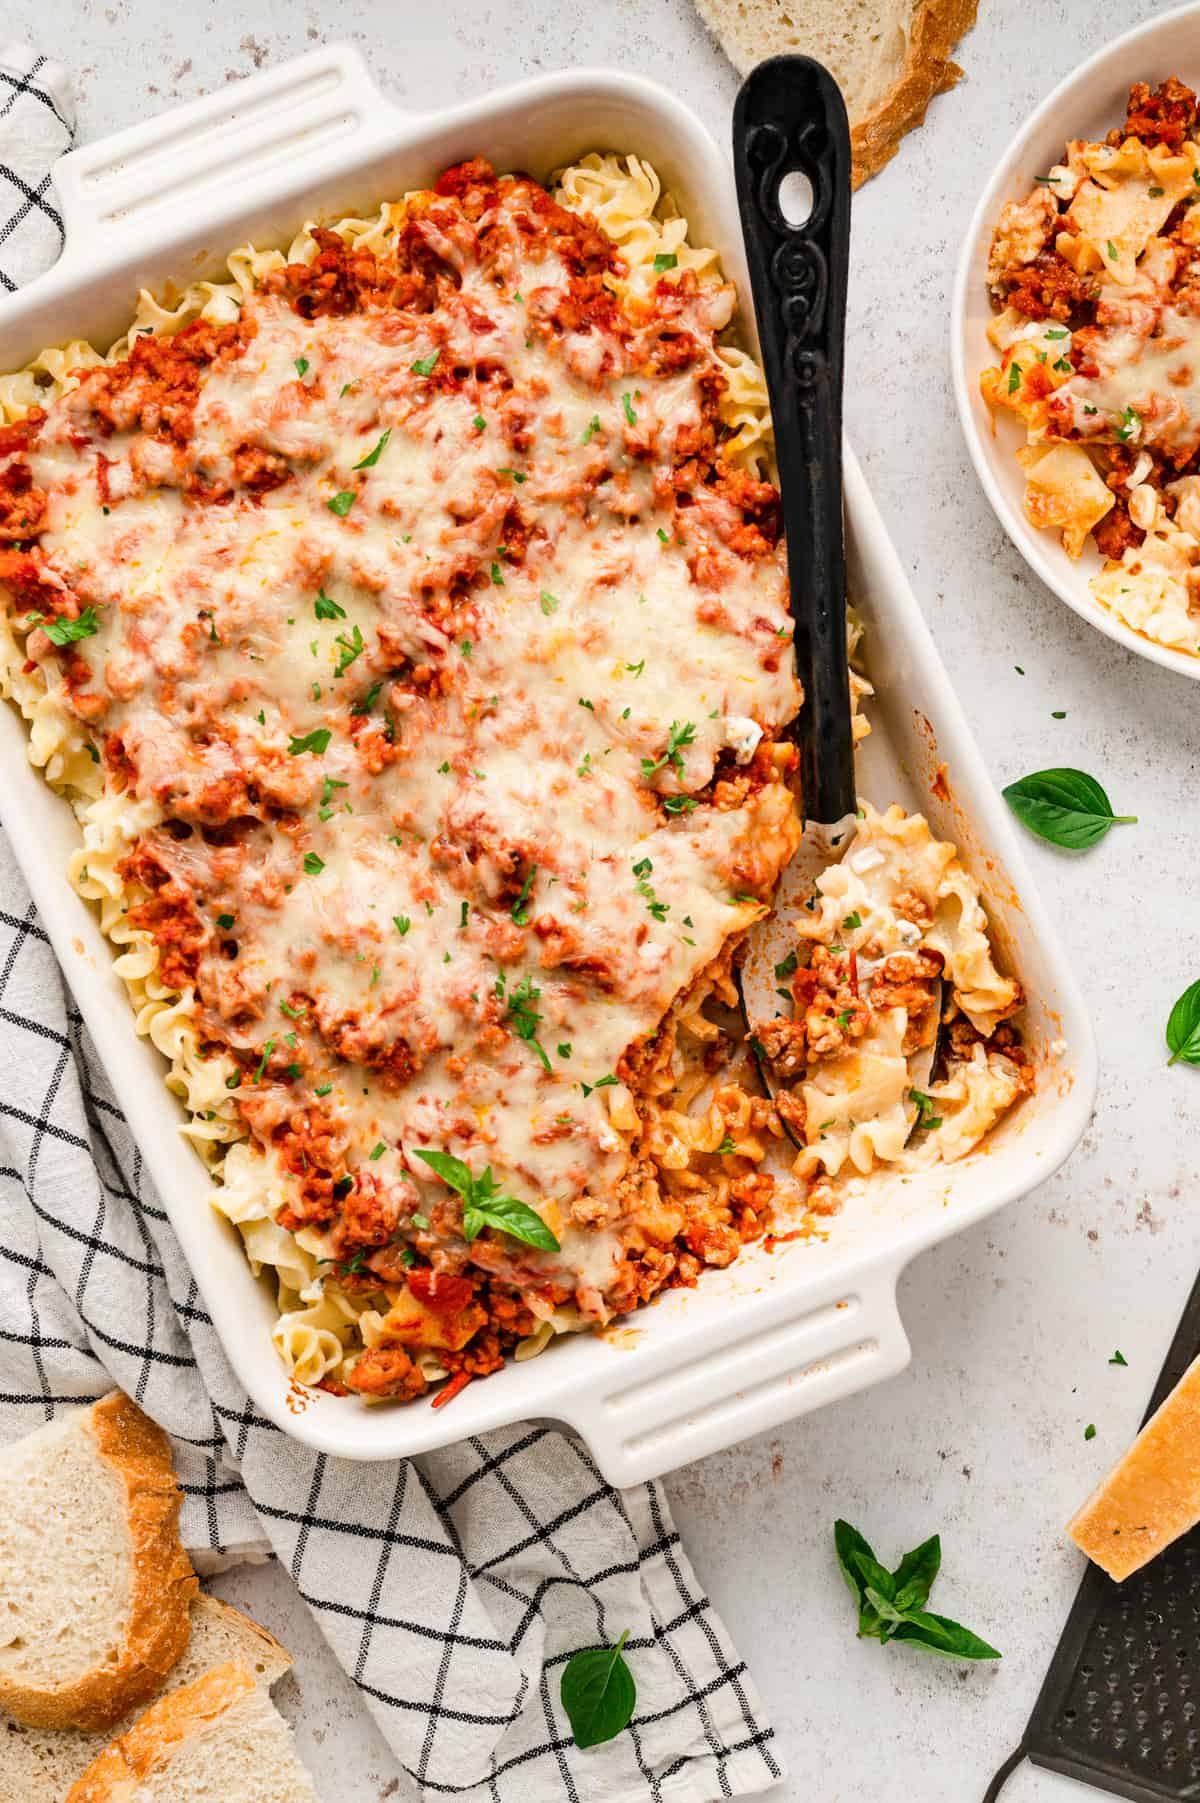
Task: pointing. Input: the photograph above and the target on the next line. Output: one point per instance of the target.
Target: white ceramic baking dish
(777, 1334)
(1086, 105)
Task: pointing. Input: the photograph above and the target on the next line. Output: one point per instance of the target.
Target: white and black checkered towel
(453, 1587)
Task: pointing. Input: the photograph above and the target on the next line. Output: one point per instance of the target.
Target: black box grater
(1120, 1705)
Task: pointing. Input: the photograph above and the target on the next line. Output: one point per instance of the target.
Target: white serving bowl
(1086, 105)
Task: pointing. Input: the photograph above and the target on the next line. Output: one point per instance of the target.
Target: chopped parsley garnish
(368, 701)
(1014, 377)
(464, 914)
(66, 632)
(1056, 332)
(521, 1015)
(1089, 1432)
(851, 921)
(665, 259)
(479, 423)
(1118, 1358)
(786, 967)
(627, 406)
(593, 426)
(1110, 251)
(664, 536)
(425, 366)
(679, 804)
(517, 475)
(549, 603)
(302, 366)
(843, 1019)
(590, 705)
(293, 1013)
(315, 741)
(726, 1146)
(564, 1051)
(925, 1105)
(372, 457)
(351, 648)
(641, 870)
(313, 865)
(323, 1090)
(444, 768)
(519, 912)
(225, 920)
(342, 503)
(262, 1063)
(680, 733)
(600, 1083)
(636, 669)
(401, 922)
(377, 1150)
(497, 575)
(331, 783)
(1128, 423)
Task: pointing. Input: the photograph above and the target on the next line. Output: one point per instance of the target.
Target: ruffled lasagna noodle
(1095, 281)
(406, 618)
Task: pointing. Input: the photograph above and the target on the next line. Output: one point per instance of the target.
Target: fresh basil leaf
(510, 1216)
(1183, 1027)
(848, 1542)
(915, 1574)
(598, 1693)
(1064, 806)
(875, 1577)
(451, 1170)
(886, 1610)
(937, 1634)
(484, 1206)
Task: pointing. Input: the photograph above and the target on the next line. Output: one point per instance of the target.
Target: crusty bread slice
(212, 1741)
(39, 1765)
(889, 57)
(94, 1584)
(1153, 1495)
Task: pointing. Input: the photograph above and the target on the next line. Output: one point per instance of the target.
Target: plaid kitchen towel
(453, 1588)
(37, 123)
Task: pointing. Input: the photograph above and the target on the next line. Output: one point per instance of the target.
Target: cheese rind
(1153, 1495)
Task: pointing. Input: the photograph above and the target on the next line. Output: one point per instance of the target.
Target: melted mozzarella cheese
(414, 717)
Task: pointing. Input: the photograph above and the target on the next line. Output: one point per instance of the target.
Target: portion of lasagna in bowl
(1095, 281)
(406, 617)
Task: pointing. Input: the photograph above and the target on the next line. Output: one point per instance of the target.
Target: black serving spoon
(789, 121)
(790, 132)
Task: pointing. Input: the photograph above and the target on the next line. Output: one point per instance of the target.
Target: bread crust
(164, 1727)
(928, 71)
(935, 28)
(162, 1583)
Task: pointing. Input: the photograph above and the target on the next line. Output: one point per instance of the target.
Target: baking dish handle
(843, 1341)
(253, 137)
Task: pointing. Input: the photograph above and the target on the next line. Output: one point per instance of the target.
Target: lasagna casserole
(1095, 281)
(406, 617)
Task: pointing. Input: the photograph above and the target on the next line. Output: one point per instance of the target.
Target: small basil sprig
(598, 1693)
(484, 1206)
(891, 1604)
(1183, 1027)
(1067, 807)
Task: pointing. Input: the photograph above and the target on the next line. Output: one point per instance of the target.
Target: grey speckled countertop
(1012, 1323)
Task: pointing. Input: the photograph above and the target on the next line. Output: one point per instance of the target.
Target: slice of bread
(1153, 1495)
(213, 1741)
(94, 1584)
(39, 1765)
(889, 57)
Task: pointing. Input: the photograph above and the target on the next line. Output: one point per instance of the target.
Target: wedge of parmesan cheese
(1153, 1495)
